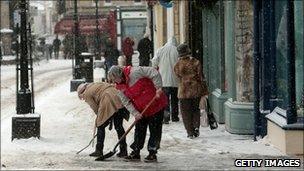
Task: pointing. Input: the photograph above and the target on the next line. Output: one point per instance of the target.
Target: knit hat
(114, 72)
(183, 50)
(81, 88)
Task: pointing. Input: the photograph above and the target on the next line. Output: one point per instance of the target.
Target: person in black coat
(144, 48)
(111, 55)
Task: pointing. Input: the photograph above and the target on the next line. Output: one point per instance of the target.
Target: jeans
(171, 93)
(155, 128)
(118, 120)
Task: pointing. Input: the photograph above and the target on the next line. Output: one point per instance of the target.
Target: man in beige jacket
(103, 99)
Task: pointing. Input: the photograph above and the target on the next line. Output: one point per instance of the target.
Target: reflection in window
(281, 53)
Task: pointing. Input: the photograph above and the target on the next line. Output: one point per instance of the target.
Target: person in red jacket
(127, 49)
(137, 87)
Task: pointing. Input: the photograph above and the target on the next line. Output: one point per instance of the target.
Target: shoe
(175, 119)
(134, 156)
(166, 122)
(151, 158)
(122, 153)
(196, 132)
(100, 158)
(96, 153)
(191, 136)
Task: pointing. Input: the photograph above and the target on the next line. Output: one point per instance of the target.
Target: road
(44, 78)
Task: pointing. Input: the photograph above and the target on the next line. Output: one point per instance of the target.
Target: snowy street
(67, 127)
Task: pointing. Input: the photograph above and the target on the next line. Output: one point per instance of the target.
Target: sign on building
(134, 14)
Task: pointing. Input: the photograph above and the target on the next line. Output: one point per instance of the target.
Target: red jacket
(141, 93)
(127, 47)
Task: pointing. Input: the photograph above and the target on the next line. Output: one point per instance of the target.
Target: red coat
(127, 47)
(141, 93)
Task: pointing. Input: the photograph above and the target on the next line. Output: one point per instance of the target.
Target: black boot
(98, 151)
(151, 157)
(175, 118)
(196, 132)
(123, 151)
(134, 156)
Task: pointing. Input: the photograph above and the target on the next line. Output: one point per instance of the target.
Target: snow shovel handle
(134, 123)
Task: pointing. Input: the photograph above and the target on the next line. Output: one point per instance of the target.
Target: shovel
(111, 153)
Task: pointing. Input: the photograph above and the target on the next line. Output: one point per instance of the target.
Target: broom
(111, 153)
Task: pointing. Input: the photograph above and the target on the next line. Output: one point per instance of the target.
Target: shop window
(281, 52)
(298, 17)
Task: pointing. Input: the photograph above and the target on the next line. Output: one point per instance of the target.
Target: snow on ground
(67, 127)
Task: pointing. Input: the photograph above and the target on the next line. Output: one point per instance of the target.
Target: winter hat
(115, 72)
(81, 88)
(183, 50)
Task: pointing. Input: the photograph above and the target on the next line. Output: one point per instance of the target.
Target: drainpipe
(291, 83)
(256, 55)
(222, 45)
(151, 26)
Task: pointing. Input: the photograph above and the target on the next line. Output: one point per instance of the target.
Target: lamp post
(76, 62)
(97, 43)
(25, 123)
(151, 3)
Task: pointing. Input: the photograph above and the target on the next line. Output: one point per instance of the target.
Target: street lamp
(151, 3)
(77, 76)
(25, 123)
(97, 44)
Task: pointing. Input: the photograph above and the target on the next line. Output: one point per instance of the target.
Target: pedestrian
(104, 101)
(190, 89)
(111, 55)
(1, 50)
(56, 46)
(127, 49)
(138, 86)
(145, 48)
(50, 48)
(165, 58)
(42, 46)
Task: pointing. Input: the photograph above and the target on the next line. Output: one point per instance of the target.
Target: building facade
(130, 16)
(5, 28)
(254, 69)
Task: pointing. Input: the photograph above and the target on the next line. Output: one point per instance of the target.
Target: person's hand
(158, 92)
(138, 116)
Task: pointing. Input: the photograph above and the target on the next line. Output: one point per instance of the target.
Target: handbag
(211, 119)
(203, 118)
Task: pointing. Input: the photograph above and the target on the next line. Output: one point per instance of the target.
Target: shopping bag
(211, 119)
(204, 118)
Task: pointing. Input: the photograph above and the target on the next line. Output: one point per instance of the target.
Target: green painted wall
(298, 7)
(229, 48)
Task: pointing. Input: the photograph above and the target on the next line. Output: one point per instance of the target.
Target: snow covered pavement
(67, 126)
